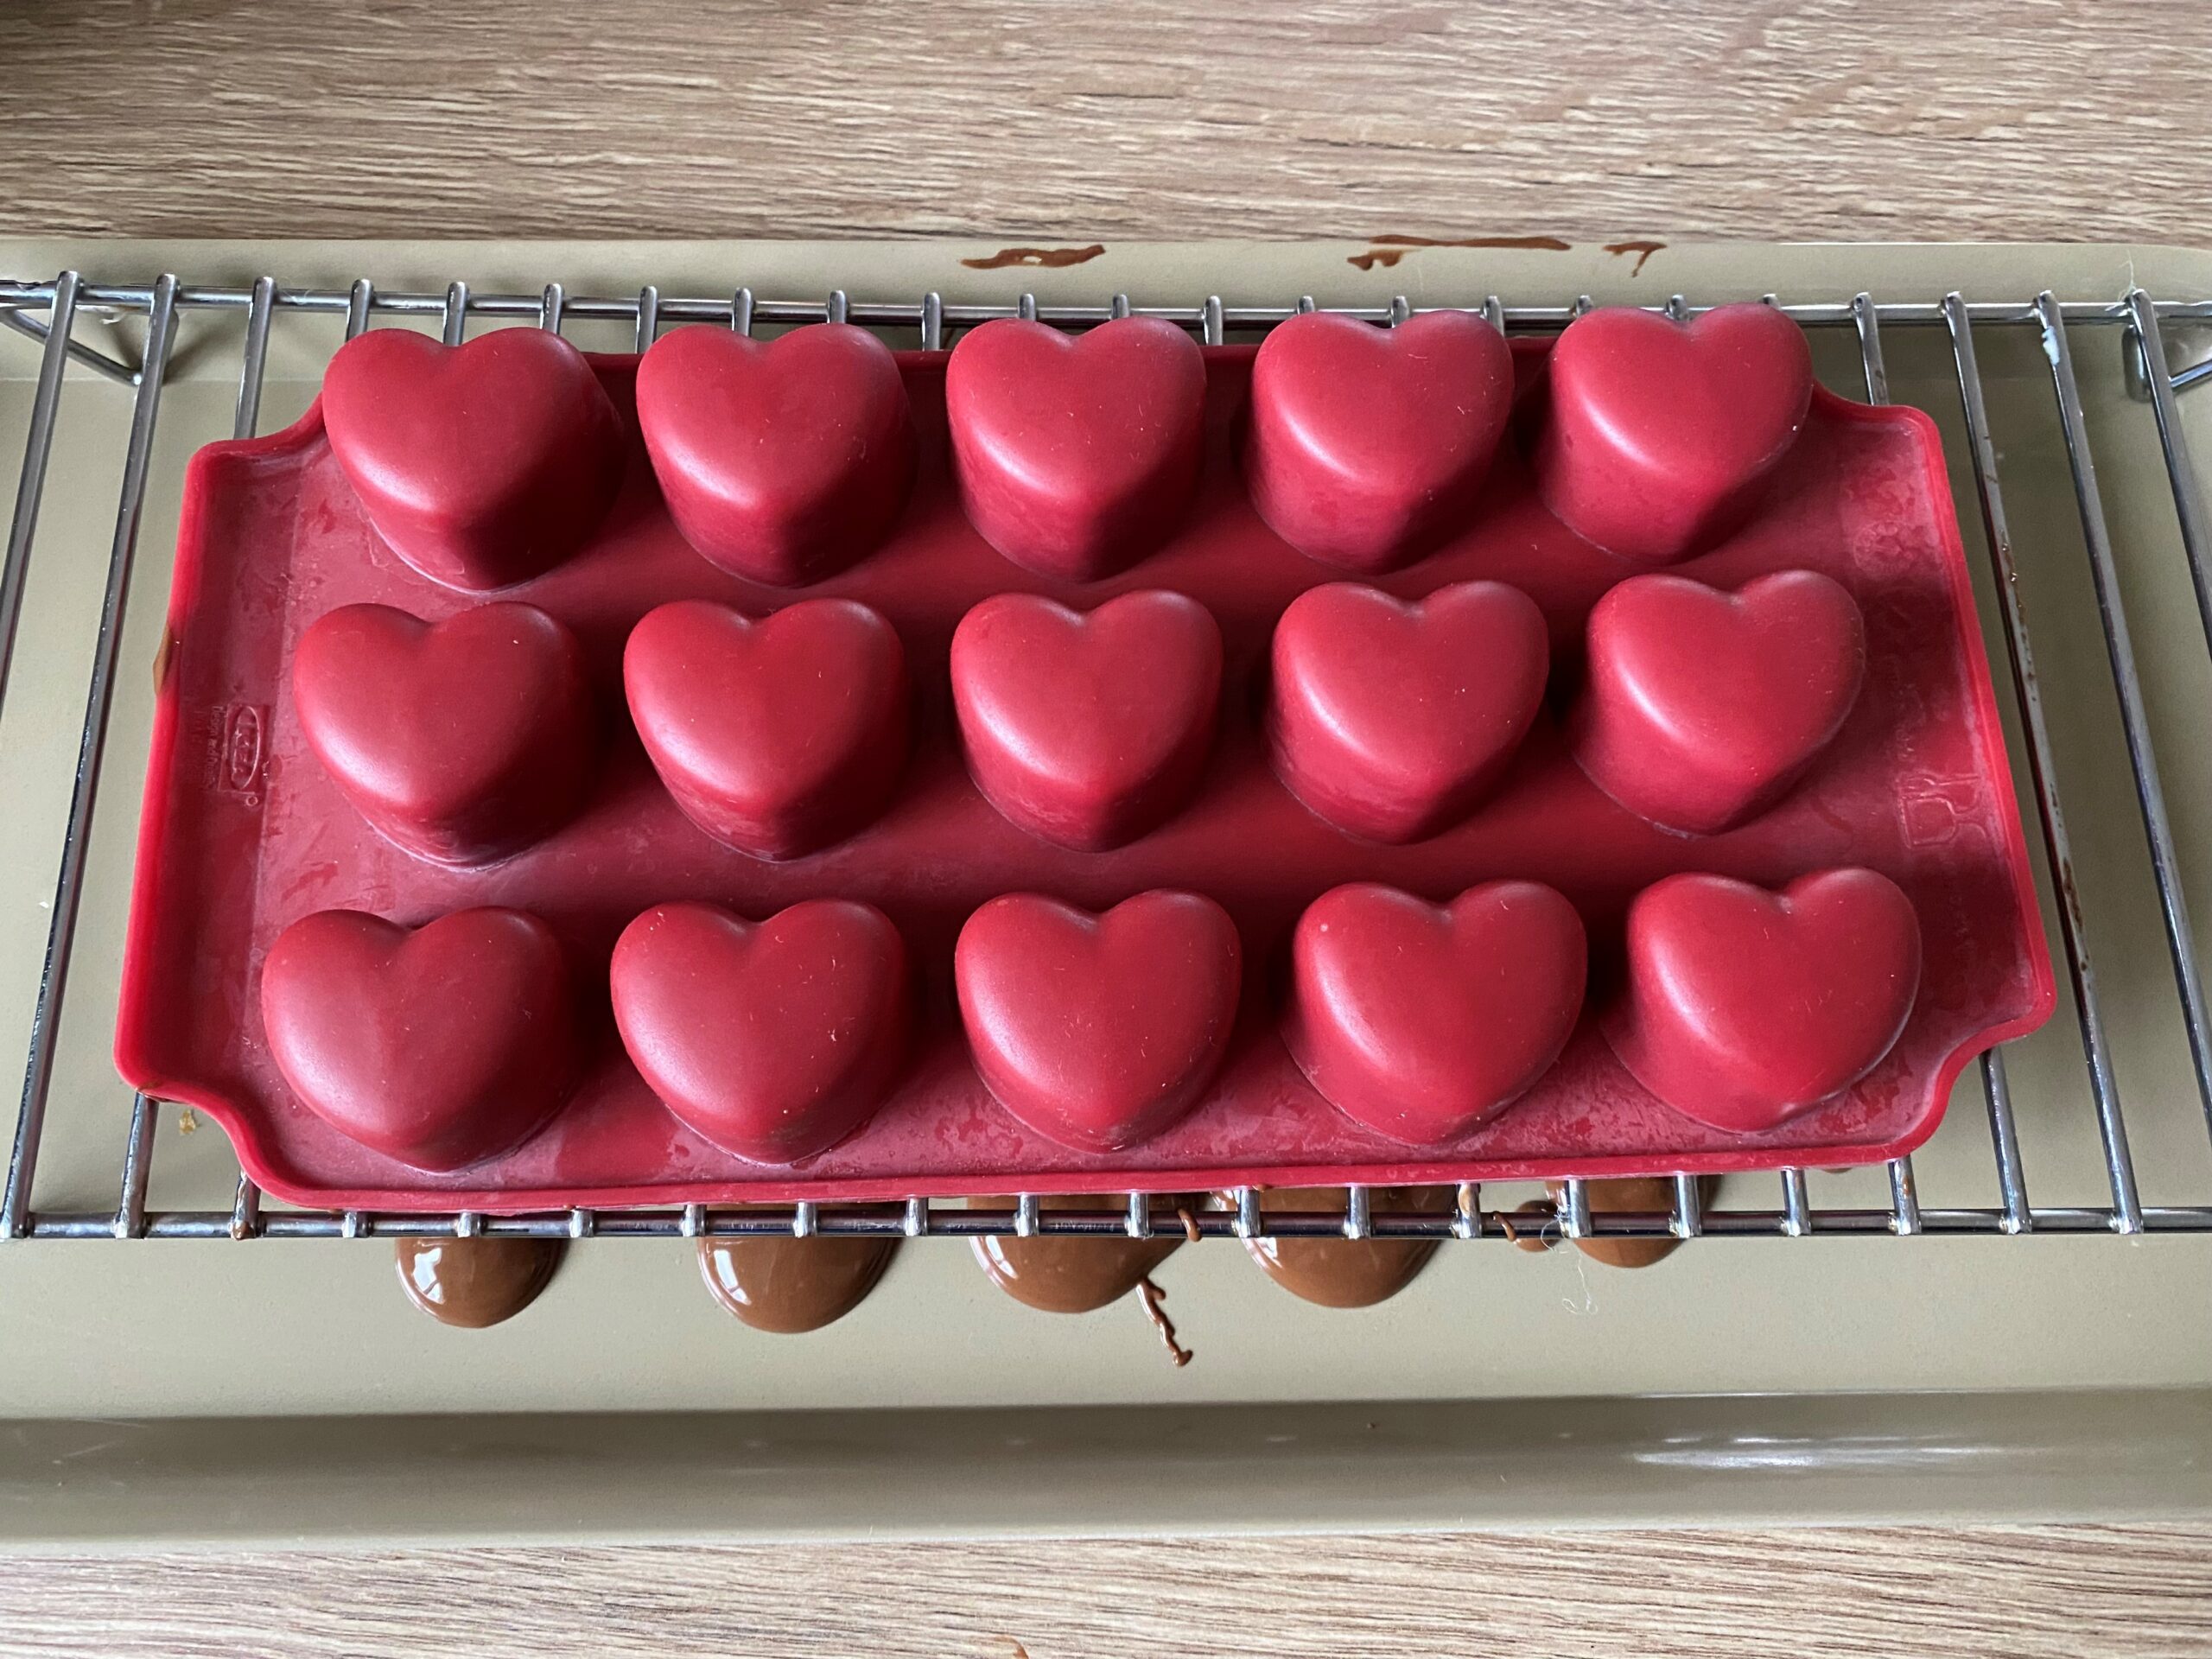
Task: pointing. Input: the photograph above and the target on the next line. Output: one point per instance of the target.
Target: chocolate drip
(1071, 1275)
(1347, 1272)
(791, 1285)
(1635, 1195)
(474, 1282)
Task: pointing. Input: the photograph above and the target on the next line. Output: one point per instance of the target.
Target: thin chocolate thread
(1152, 1295)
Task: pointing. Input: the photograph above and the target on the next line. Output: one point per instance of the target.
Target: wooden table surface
(1587, 119)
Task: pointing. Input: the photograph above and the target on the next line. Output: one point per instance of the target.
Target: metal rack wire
(2137, 318)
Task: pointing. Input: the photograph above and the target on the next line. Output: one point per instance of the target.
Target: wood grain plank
(2043, 1592)
(1938, 120)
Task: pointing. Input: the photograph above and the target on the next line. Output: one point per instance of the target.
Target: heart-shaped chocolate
(775, 1041)
(440, 1047)
(1419, 1021)
(1703, 707)
(481, 465)
(1745, 1007)
(1087, 730)
(1658, 434)
(462, 740)
(1077, 454)
(782, 461)
(1367, 445)
(1393, 719)
(1099, 1032)
(778, 737)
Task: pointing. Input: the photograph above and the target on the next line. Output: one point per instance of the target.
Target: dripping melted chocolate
(474, 1282)
(1071, 1275)
(1637, 1195)
(1347, 1272)
(791, 1285)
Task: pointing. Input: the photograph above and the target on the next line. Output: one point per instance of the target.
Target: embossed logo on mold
(241, 750)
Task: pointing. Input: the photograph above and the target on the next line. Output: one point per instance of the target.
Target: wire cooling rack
(48, 311)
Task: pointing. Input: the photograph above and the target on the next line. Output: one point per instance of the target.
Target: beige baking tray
(280, 1387)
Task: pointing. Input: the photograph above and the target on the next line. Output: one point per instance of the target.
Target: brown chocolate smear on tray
(1643, 250)
(1347, 1272)
(1389, 250)
(1037, 259)
(791, 1285)
(474, 1282)
(1072, 1275)
(1635, 1195)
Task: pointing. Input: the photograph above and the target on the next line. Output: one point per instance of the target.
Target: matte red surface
(244, 832)
(1392, 719)
(481, 465)
(781, 459)
(1662, 433)
(1099, 1032)
(775, 1041)
(1745, 1007)
(1088, 729)
(1368, 446)
(1419, 1021)
(1077, 454)
(463, 740)
(437, 1047)
(1700, 708)
(779, 735)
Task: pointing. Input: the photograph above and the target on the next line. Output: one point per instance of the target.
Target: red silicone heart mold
(778, 737)
(1088, 730)
(1659, 434)
(1420, 1020)
(1368, 446)
(871, 744)
(1098, 1031)
(1702, 707)
(774, 1041)
(463, 740)
(1745, 1007)
(1392, 719)
(1077, 454)
(482, 465)
(782, 461)
(440, 1047)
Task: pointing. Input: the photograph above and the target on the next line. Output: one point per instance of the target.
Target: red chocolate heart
(778, 737)
(1088, 730)
(1098, 1031)
(1392, 720)
(1420, 1021)
(462, 740)
(1703, 707)
(1745, 1007)
(1659, 434)
(774, 1041)
(482, 465)
(1368, 446)
(441, 1046)
(1077, 454)
(782, 461)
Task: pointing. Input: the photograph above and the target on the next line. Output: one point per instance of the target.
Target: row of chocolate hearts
(1391, 720)
(776, 1040)
(787, 460)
